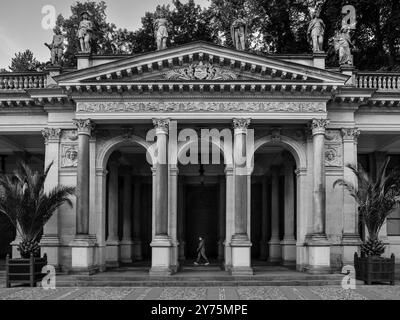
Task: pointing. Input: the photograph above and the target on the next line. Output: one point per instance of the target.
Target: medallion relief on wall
(200, 106)
(69, 149)
(333, 149)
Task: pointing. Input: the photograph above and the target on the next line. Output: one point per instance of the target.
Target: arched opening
(128, 205)
(274, 204)
(201, 203)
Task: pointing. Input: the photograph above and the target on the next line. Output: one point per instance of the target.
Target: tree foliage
(275, 26)
(24, 62)
(27, 206)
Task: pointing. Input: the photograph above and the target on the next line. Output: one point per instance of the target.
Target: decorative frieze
(200, 106)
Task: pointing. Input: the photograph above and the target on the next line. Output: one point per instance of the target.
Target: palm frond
(25, 203)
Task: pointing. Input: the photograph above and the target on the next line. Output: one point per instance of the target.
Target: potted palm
(28, 207)
(376, 199)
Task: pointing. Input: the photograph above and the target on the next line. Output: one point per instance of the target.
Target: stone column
(289, 241)
(317, 242)
(113, 249)
(181, 219)
(161, 244)
(83, 244)
(221, 218)
(137, 243)
(173, 216)
(241, 245)
(275, 251)
(264, 219)
(351, 238)
(50, 242)
(127, 243)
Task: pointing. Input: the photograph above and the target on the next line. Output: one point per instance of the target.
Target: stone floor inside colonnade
(327, 288)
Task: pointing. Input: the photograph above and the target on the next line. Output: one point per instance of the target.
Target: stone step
(98, 283)
(192, 278)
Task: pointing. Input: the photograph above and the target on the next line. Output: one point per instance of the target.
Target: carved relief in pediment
(200, 71)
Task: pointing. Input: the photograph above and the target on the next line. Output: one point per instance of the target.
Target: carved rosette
(84, 127)
(241, 125)
(51, 134)
(161, 125)
(318, 126)
(351, 134)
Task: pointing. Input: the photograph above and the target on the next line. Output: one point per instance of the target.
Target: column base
(126, 250)
(275, 251)
(161, 247)
(50, 244)
(241, 256)
(318, 248)
(82, 252)
(112, 253)
(288, 251)
(351, 244)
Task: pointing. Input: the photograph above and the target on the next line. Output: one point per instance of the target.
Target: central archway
(124, 210)
(278, 202)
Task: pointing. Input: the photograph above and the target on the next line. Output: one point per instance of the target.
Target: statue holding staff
(56, 47)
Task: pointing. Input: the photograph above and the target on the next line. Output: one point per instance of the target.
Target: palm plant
(376, 200)
(28, 207)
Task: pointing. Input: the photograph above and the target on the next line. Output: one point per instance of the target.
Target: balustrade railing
(22, 81)
(382, 81)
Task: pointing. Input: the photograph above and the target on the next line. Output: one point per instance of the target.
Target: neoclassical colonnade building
(307, 121)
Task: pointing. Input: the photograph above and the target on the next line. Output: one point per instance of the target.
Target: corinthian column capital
(350, 133)
(84, 126)
(241, 124)
(318, 126)
(51, 134)
(161, 125)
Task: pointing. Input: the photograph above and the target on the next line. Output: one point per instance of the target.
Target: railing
(382, 81)
(22, 81)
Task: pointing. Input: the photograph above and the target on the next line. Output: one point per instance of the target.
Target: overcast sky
(21, 22)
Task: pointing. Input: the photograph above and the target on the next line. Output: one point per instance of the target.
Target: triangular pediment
(200, 62)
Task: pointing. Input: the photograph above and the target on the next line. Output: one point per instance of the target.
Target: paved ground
(199, 293)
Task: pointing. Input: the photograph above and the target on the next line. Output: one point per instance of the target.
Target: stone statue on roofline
(161, 33)
(239, 29)
(316, 32)
(85, 33)
(56, 48)
(343, 45)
